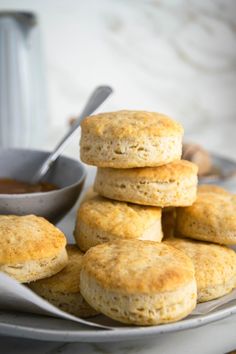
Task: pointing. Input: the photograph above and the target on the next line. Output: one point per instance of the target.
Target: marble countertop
(176, 57)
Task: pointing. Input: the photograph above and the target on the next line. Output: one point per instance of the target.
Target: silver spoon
(98, 96)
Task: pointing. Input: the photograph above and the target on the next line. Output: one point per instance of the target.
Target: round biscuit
(139, 282)
(101, 220)
(31, 247)
(211, 218)
(215, 267)
(127, 139)
(174, 184)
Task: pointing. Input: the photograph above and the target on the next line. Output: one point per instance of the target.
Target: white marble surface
(173, 56)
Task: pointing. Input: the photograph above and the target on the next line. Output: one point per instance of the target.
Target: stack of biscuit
(121, 266)
(127, 273)
(143, 190)
(139, 173)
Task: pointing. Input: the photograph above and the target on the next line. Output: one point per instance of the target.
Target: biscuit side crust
(132, 152)
(196, 230)
(214, 292)
(146, 192)
(140, 309)
(36, 269)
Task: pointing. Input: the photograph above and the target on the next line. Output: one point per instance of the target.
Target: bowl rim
(53, 192)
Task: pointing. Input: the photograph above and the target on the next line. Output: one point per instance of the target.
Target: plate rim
(118, 334)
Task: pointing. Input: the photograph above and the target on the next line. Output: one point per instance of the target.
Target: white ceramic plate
(51, 329)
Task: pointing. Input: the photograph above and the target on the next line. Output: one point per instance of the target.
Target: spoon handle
(98, 96)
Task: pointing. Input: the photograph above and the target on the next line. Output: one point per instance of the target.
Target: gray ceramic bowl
(21, 164)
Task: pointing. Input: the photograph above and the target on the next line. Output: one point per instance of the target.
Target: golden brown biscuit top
(213, 263)
(128, 124)
(27, 238)
(166, 173)
(68, 279)
(215, 209)
(118, 218)
(132, 266)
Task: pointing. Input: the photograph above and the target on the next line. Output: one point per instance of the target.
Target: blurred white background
(173, 56)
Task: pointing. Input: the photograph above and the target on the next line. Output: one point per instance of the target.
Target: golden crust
(167, 173)
(215, 266)
(28, 238)
(212, 217)
(131, 266)
(125, 124)
(117, 218)
(68, 280)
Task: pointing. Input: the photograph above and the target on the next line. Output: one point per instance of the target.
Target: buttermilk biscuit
(101, 220)
(174, 184)
(211, 218)
(31, 248)
(63, 289)
(139, 282)
(126, 139)
(215, 267)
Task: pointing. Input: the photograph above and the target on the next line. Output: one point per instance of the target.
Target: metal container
(22, 84)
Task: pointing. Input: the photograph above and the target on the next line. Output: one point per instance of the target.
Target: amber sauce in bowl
(13, 186)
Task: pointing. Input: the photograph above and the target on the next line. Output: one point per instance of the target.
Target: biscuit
(139, 282)
(101, 220)
(31, 248)
(174, 184)
(63, 288)
(215, 267)
(127, 139)
(211, 218)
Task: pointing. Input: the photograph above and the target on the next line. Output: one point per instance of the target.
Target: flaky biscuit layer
(174, 184)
